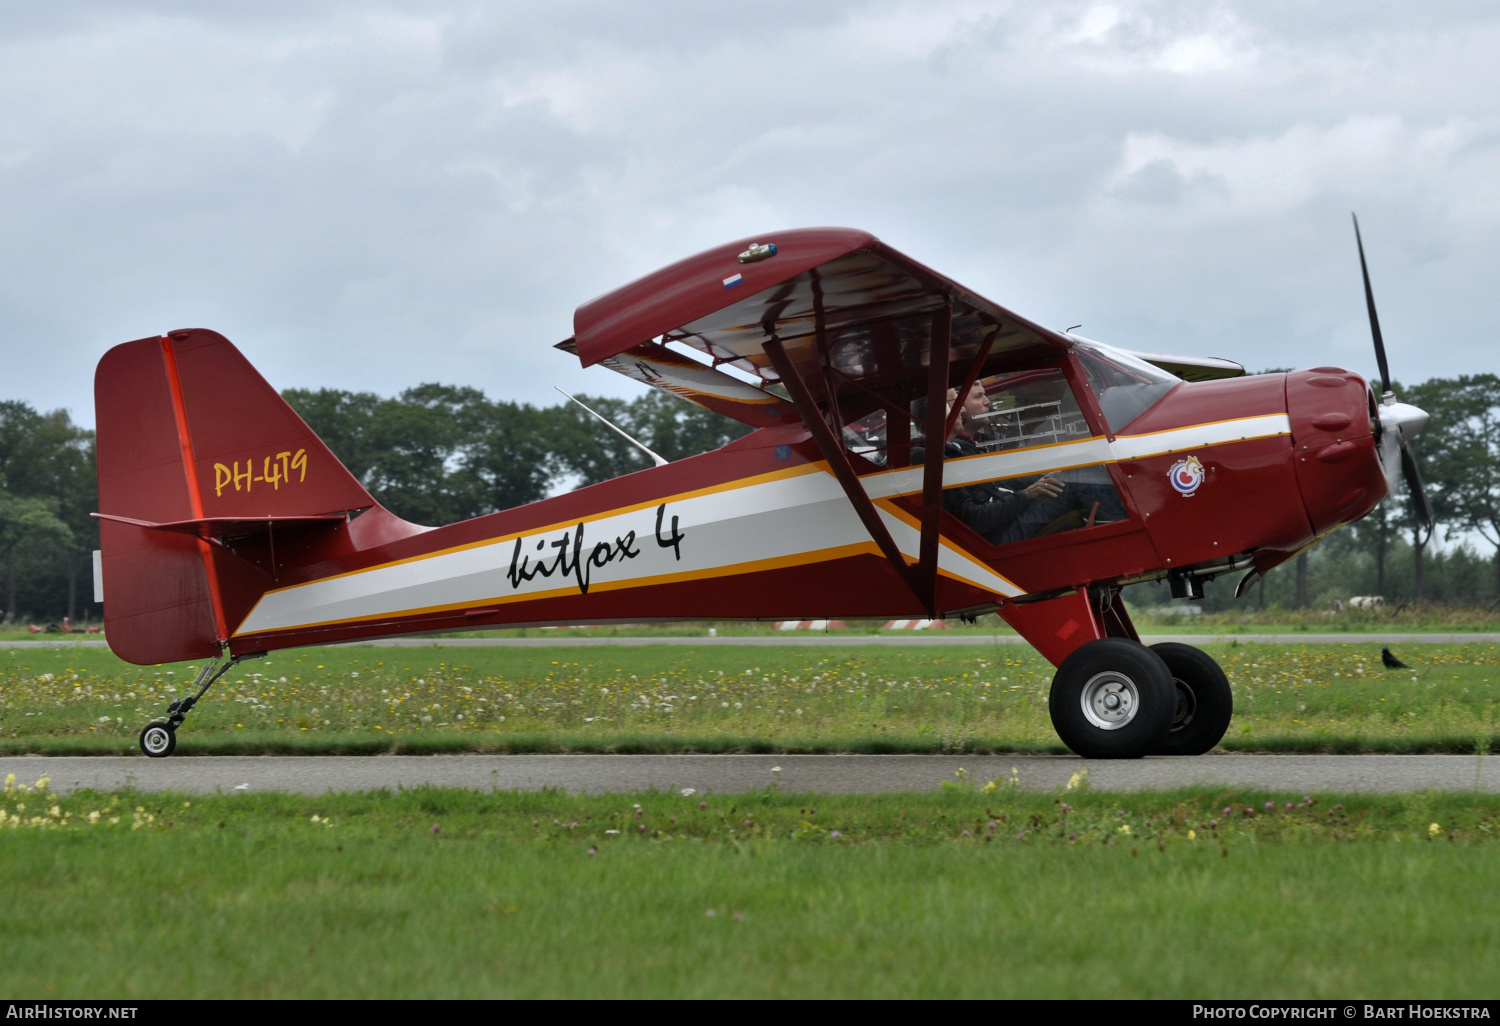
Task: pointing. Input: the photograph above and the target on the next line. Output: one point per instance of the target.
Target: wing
(848, 326)
(835, 298)
(686, 378)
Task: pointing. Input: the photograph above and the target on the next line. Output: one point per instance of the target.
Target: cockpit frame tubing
(969, 379)
(838, 461)
(932, 459)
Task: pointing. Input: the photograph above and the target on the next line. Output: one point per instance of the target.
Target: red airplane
(1069, 471)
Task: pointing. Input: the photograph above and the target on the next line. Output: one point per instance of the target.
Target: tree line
(47, 491)
(436, 454)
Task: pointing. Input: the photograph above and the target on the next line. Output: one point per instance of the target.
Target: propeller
(1398, 422)
(1414, 482)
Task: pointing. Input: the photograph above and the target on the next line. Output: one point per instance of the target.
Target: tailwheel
(158, 740)
(1204, 701)
(1112, 699)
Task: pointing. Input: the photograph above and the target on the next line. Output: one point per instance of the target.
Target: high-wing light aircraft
(229, 529)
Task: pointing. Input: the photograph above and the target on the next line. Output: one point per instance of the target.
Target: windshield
(1125, 386)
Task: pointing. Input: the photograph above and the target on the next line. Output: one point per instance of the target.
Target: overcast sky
(370, 195)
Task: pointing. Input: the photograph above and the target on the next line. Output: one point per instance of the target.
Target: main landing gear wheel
(1112, 699)
(158, 740)
(1204, 701)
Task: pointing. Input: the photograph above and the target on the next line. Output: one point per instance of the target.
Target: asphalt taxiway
(600, 774)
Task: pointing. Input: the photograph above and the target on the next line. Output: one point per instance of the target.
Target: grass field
(961, 892)
(1169, 618)
(1414, 618)
(1335, 698)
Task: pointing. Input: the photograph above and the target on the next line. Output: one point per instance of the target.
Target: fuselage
(1214, 475)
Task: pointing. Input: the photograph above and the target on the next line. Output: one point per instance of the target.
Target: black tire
(1204, 701)
(1119, 671)
(158, 740)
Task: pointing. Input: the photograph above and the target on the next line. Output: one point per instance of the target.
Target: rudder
(193, 446)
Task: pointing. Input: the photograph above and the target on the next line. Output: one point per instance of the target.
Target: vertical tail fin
(195, 446)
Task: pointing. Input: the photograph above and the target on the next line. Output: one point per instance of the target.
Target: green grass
(1309, 698)
(1169, 618)
(1414, 618)
(956, 893)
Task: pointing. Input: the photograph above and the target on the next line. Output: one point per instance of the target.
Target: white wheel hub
(1110, 700)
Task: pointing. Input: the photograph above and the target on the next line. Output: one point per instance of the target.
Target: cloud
(1263, 176)
(372, 195)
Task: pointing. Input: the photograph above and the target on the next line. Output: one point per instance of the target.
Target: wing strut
(920, 577)
(932, 458)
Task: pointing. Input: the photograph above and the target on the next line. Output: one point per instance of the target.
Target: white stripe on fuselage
(1160, 443)
(1019, 463)
(783, 521)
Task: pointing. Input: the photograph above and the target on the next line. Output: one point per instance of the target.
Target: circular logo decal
(783, 452)
(1186, 475)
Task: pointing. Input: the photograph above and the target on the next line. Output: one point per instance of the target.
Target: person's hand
(1048, 485)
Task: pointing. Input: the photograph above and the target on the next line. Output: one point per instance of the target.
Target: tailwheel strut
(159, 738)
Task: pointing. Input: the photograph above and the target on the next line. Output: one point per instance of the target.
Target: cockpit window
(1125, 386)
(866, 437)
(1028, 408)
(1025, 409)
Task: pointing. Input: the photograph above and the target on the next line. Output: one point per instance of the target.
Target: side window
(1023, 411)
(1012, 509)
(1028, 408)
(867, 437)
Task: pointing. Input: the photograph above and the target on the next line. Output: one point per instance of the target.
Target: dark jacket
(986, 507)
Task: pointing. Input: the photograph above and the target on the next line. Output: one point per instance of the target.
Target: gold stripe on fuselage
(793, 559)
(753, 566)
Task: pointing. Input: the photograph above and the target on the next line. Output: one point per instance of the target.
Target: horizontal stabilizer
(1192, 368)
(222, 527)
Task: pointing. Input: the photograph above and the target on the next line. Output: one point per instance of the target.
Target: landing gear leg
(159, 739)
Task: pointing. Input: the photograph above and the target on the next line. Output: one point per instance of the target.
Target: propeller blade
(1385, 373)
(1414, 483)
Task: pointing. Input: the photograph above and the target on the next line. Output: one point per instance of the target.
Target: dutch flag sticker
(733, 280)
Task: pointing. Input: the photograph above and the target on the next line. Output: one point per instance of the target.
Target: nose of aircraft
(1340, 469)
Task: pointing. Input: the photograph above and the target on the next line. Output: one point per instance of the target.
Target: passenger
(1082, 504)
(1088, 496)
(991, 509)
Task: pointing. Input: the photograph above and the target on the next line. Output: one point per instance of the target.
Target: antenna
(610, 424)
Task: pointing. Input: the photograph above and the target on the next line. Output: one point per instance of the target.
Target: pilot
(991, 509)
